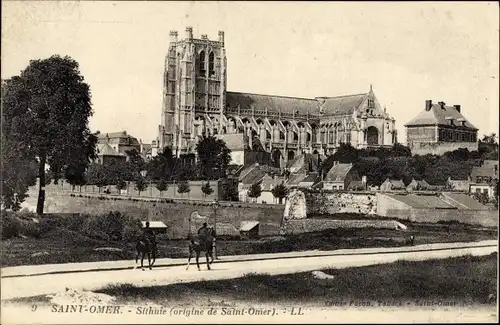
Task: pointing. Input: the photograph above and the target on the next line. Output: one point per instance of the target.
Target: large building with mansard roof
(196, 101)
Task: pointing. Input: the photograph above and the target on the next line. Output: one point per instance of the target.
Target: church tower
(194, 90)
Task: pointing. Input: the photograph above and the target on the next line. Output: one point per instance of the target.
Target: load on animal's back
(203, 233)
(203, 244)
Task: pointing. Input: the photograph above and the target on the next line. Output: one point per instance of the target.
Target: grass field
(64, 246)
(464, 280)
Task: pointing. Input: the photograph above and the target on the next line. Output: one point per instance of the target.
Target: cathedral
(196, 102)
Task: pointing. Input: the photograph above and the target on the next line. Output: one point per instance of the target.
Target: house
(439, 128)
(158, 226)
(458, 185)
(482, 178)
(265, 175)
(392, 185)
(267, 185)
(249, 229)
(420, 185)
(340, 176)
(146, 150)
(309, 181)
(107, 155)
(358, 185)
(121, 142)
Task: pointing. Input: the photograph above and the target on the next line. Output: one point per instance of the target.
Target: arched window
(202, 63)
(211, 68)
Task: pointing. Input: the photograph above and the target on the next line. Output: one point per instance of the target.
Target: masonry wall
(440, 148)
(330, 202)
(175, 215)
(313, 225)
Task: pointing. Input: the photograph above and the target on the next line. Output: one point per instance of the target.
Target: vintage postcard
(249, 162)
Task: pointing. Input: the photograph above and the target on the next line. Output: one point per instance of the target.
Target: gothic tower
(194, 90)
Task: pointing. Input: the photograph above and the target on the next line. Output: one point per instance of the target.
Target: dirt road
(51, 283)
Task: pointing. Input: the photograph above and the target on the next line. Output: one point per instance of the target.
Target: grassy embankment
(467, 279)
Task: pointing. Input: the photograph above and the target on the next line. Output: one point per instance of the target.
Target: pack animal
(203, 244)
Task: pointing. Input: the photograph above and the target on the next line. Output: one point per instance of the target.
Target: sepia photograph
(271, 162)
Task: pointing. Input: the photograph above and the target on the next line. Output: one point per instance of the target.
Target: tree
(97, 175)
(18, 164)
(481, 197)
(140, 184)
(490, 139)
(51, 106)
(254, 191)
(18, 173)
(121, 185)
(280, 191)
(183, 187)
(161, 166)
(206, 189)
(229, 190)
(135, 162)
(162, 185)
(398, 150)
(213, 157)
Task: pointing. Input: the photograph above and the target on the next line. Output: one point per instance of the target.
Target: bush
(10, 226)
(30, 228)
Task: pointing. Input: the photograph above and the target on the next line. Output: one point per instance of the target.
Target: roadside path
(31, 270)
(15, 287)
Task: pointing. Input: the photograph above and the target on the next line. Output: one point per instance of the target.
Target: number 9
(34, 307)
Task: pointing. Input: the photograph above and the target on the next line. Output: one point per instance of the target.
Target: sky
(409, 52)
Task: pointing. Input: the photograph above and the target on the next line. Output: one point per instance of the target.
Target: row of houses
(304, 173)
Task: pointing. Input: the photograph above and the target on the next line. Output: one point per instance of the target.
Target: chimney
(428, 105)
(221, 37)
(204, 36)
(173, 36)
(189, 32)
(363, 180)
(457, 107)
(442, 104)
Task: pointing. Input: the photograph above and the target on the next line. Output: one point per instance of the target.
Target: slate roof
(330, 106)
(253, 176)
(422, 183)
(338, 173)
(396, 183)
(248, 225)
(272, 103)
(123, 136)
(341, 105)
(104, 149)
(296, 178)
(438, 116)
